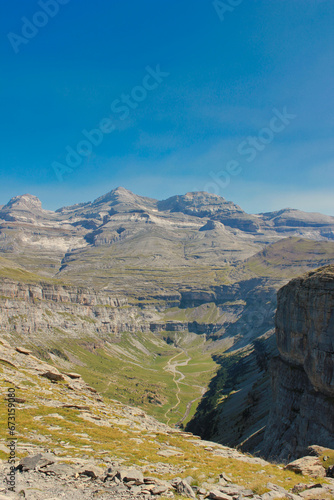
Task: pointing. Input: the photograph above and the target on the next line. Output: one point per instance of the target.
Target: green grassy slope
(289, 257)
(103, 429)
(11, 270)
(133, 369)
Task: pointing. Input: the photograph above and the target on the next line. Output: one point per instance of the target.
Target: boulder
(247, 493)
(91, 471)
(159, 490)
(225, 477)
(61, 470)
(73, 375)
(230, 490)
(315, 493)
(29, 462)
(53, 376)
(22, 350)
(299, 487)
(316, 451)
(131, 474)
(151, 480)
(184, 489)
(218, 495)
(33, 462)
(280, 492)
(307, 466)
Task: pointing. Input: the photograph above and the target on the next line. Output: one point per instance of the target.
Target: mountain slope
(78, 445)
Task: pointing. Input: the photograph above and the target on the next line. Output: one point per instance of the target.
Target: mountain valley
(167, 306)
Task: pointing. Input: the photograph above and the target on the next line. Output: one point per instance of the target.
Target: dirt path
(189, 405)
(171, 367)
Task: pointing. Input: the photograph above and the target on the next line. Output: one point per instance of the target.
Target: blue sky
(230, 73)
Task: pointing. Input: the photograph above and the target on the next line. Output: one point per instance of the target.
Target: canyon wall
(46, 311)
(303, 374)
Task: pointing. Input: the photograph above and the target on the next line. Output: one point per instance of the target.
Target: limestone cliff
(35, 312)
(303, 374)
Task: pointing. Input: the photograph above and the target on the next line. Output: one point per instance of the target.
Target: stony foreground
(44, 477)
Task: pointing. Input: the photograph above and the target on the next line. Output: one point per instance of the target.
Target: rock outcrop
(303, 374)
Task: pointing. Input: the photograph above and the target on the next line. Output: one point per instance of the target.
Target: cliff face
(303, 374)
(44, 311)
(58, 293)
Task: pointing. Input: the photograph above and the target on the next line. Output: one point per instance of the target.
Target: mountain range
(118, 236)
(166, 305)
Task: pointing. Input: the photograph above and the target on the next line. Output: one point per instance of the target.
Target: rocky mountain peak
(116, 194)
(124, 200)
(24, 201)
(22, 208)
(193, 203)
(291, 217)
(202, 204)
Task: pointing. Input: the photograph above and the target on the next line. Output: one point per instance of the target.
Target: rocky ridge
(39, 310)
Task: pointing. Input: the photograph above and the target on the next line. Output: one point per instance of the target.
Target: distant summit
(123, 198)
(25, 208)
(25, 201)
(293, 218)
(196, 205)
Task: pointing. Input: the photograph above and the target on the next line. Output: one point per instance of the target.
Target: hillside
(72, 442)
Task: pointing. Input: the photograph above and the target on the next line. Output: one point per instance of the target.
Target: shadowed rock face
(305, 326)
(303, 375)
